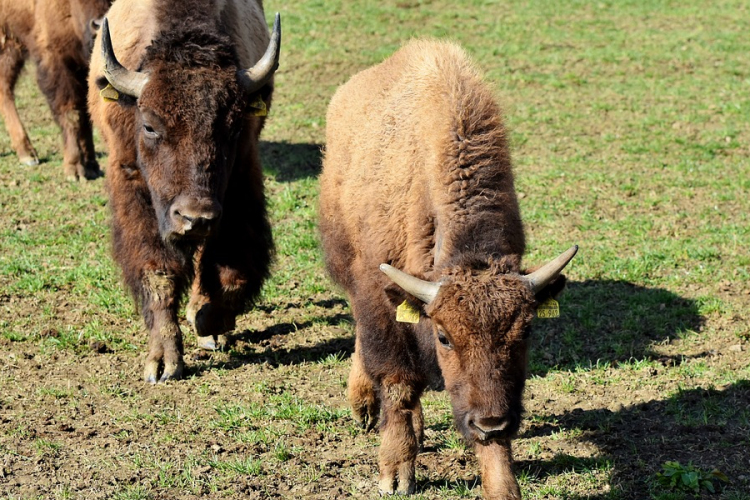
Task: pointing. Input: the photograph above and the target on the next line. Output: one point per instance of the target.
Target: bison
(179, 90)
(58, 35)
(417, 183)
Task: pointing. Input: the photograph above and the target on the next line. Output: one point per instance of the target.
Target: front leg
(202, 315)
(232, 266)
(496, 463)
(153, 272)
(400, 432)
(165, 347)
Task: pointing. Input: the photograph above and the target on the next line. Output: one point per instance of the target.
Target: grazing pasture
(630, 134)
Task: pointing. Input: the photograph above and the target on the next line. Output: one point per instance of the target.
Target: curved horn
(123, 80)
(544, 275)
(426, 291)
(257, 76)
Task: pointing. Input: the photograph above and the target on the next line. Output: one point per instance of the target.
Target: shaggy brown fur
(417, 174)
(58, 36)
(189, 136)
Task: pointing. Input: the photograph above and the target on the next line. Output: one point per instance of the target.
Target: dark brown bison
(58, 35)
(417, 176)
(176, 88)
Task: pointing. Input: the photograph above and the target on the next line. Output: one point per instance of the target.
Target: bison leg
(215, 301)
(199, 311)
(402, 418)
(203, 317)
(152, 271)
(165, 340)
(361, 391)
(11, 63)
(65, 89)
(496, 464)
(231, 269)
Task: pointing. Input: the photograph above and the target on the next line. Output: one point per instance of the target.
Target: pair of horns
(426, 291)
(132, 82)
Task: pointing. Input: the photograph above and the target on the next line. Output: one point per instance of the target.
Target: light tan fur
(57, 35)
(417, 174)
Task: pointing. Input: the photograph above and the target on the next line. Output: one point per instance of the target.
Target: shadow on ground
(289, 162)
(600, 321)
(609, 321)
(275, 354)
(706, 427)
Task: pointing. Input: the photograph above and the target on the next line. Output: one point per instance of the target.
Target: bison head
(191, 107)
(481, 320)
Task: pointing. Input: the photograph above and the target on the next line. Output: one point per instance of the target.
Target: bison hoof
(403, 489)
(172, 371)
(29, 161)
(91, 173)
(80, 173)
(212, 342)
(366, 415)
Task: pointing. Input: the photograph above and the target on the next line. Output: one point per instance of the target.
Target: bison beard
(57, 34)
(184, 175)
(417, 177)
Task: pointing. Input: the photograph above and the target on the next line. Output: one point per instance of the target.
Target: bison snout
(194, 218)
(487, 428)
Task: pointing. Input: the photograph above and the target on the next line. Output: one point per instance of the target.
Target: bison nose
(486, 428)
(194, 217)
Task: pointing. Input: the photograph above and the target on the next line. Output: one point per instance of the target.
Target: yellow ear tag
(257, 106)
(550, 308)
(405, 313)
(109, 93)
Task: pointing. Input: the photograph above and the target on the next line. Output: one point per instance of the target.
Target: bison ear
(397, 296)
(94, 25)
(553, 288)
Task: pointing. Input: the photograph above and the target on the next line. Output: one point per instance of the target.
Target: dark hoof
(91, 174)
(366, 416)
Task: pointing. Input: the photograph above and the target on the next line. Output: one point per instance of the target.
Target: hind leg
(11, 63)
(363, 398)
(64, 85)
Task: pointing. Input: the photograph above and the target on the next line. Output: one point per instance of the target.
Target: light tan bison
(58, 35)
(417, 183)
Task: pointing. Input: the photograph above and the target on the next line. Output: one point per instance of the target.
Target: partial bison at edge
(177, 98)
(58, 35)
(421, 226)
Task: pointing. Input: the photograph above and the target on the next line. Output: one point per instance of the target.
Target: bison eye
(443, 339)
(149, 131)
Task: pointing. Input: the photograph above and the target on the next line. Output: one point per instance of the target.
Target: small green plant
(689, 478)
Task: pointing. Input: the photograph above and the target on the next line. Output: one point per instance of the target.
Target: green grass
(629, 124)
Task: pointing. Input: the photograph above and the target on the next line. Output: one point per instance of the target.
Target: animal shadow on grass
(708, 428)
(609, 321)
(275, 354)
(289, 162)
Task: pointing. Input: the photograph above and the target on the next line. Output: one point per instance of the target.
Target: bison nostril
(485, 428)
(194, 221)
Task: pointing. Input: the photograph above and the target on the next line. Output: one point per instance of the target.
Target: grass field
(631, 137)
